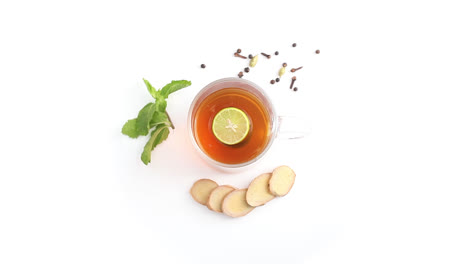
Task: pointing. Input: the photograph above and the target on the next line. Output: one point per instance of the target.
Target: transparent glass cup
(280, 126)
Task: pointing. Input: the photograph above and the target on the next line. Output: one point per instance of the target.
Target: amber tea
(232, 110)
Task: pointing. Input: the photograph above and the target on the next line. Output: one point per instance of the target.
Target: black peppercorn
(246, 69)
(277, 79)
(295, 89)
(203, 66)
(317, 51)
(294, 45)
(276, 53)
(285, 64)
(272, 81)
(250, 56)
(240, 74)
(239, 50)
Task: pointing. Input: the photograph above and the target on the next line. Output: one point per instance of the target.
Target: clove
(292, 82)
(296, 69)
(266, 55)
(240, 56)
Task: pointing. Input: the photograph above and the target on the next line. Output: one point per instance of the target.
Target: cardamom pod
(282, 71)
(253, 61)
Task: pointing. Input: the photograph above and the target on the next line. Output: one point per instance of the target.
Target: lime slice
(231, 125)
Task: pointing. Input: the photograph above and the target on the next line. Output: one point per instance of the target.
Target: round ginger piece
(201, 190)
(282, 180)
(258, 192)
(215, 200)
(235, 205)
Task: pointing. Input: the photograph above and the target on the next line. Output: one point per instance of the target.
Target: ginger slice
(258, 192)
(215, 200)
(282, 180)
(201, 190)
(235, 205)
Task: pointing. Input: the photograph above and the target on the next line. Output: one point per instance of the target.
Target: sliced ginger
(235, 204)
(201, 190)
(258, 192)
(239, 202)
(215, 200)
(282, 180)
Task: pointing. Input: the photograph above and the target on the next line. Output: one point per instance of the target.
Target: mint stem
(170, 121)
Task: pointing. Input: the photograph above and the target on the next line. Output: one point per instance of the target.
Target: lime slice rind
(231, 126)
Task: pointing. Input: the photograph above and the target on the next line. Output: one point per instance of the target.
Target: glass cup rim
(272, 111)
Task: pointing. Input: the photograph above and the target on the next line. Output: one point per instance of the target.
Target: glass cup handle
(293, 127)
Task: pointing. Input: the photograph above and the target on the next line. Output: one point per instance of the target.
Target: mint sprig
(153, 116)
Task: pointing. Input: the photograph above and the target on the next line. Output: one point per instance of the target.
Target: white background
(381, 179)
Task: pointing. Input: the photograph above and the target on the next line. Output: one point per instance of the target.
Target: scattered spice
(240, 56)
(266, 55)
(317, 51)
(253, 61)
(282, 71)
(292, 82)
(296, 69)
(203, 66)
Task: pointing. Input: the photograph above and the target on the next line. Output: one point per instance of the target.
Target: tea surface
(257, 138)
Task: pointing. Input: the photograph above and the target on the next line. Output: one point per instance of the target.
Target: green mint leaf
(173, 87)
(153, 115)
(157, 136)
(150, 88)
(159, 118)
(161, 137)
(144, 117)
(161, 103)
(129, 128)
